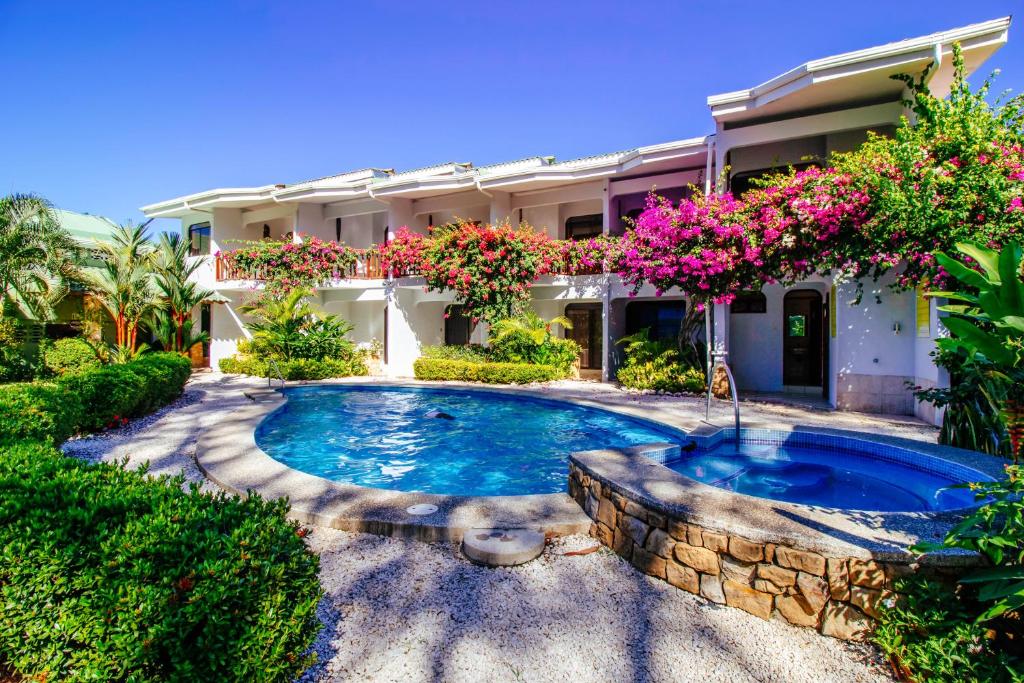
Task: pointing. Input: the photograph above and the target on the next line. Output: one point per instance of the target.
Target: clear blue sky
(111, 106)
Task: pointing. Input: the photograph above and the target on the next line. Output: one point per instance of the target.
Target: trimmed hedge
(297, 368)
(91, 399)
(109, 575)
(69, 355)
(488, 373)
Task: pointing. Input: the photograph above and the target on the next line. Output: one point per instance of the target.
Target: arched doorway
(803, 339)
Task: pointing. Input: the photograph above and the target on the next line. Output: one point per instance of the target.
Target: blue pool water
(496, 445)
(828, 478)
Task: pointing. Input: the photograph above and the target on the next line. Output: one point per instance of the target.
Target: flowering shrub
(288, 265)
(405, 254)
(702, 246)
(956, 175)
(586, 257)
(489, 267)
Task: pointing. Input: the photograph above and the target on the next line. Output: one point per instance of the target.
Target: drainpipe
(480, 189)
(709, 309)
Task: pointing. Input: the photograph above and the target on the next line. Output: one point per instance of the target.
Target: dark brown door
(802, 338)
(586, 331)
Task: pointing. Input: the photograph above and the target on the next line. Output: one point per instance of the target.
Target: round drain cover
(502, 547)
(421, 509)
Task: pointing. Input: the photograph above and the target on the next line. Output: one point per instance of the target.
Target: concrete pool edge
(228, 455)
(811, 567)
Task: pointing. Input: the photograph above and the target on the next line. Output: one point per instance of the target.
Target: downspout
(709, 308)
(387, 285)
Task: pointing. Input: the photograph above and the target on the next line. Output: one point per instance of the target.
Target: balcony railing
(367, 266)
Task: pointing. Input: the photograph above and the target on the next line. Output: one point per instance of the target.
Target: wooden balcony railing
(367, 266)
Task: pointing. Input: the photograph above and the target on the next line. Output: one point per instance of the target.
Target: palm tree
(37, 256)
(178, 295)
(530, 325)
(124, 283)
(292, 327)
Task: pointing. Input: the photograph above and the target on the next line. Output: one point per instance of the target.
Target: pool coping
(831, 532)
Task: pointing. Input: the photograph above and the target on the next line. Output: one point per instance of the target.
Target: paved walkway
(406, 611)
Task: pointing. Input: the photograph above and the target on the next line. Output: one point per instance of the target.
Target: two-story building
(809, 338)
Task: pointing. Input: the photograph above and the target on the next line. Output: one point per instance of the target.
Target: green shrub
(931, 633)
(90, 400)
(489, 373)
(69, 355)
(109, 575)
(653, 364)
(107, 393)
(14, 365)
(38, 410)
(473, 353)
(296, 368)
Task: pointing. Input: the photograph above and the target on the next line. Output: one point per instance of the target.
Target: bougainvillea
(955, 175)
(285, 266)
(587, 256)
(702, 246)
(404, 255)
(490, 268)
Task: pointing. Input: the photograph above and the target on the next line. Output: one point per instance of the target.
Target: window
(749, 302)
(796, 326)
(457, 327)
(199, 239)
(584, 227)
(923, 313)
(662, 318)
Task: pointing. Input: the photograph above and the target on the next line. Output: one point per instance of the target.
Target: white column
(501, 207)
(399, 215)
(309, 220)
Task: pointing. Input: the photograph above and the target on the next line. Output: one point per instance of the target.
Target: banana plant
(987, 324)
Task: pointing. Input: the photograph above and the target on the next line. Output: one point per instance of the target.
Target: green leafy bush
(489, 373)
(930, 634)
(69, 355)
(109, 575)
(296, 368)
(972, 632)
(652, 364)
(91, 399)
(528, 338)
(14, 365)
(473, 353)
(39, 411)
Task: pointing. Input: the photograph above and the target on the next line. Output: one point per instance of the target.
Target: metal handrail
(280, 375)
(719, 360)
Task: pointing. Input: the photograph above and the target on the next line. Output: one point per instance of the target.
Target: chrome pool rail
(273, 364)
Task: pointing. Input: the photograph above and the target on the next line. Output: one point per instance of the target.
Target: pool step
(262, 395)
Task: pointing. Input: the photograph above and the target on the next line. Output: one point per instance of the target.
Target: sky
(109, 106)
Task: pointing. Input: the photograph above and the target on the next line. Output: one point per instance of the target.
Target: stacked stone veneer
(838, 596)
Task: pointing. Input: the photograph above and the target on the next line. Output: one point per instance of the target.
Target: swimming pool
(496, 443)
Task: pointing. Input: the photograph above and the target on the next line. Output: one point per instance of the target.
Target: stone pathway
(406, 611)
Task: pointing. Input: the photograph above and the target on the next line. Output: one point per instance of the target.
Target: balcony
(367, 266)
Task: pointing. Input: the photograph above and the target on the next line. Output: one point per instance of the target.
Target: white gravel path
(405, 611)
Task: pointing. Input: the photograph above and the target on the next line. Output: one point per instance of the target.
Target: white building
(858, 357)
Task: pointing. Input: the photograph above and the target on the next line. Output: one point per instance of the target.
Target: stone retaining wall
(838, 596)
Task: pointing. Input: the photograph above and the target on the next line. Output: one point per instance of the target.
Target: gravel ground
(400, 610)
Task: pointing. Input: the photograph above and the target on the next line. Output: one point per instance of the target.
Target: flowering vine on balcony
(285, 266)
(490, 268)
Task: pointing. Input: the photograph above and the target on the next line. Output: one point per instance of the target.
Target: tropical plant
(987, 325)
(654, 365)
(291, 327)
(123, 284)
(972, 405)
(70, 355)
(38, 258)
(528, 338)
(179, 295)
